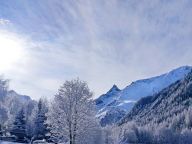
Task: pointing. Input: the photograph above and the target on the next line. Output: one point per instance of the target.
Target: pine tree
(19, 126)
(1, 130)
(40, 121)
(3, 87)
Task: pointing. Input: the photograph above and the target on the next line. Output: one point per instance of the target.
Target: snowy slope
(23, 98)
(107, 98)
(115, 103)
(163, 106)
(11, 94)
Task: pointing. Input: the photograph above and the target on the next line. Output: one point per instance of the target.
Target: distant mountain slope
(23, 98)
(113, 105)
(11, 104)
(170, 102)
(13, 94)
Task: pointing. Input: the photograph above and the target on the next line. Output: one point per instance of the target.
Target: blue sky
(103, 42)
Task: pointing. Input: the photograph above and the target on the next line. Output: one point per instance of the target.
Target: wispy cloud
(100, 41)
(4, 21)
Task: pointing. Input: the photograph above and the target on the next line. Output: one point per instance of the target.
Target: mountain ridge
(171, 101)
(123, 100)
(12, 93)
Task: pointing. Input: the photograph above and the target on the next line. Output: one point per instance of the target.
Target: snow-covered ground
(5, 142)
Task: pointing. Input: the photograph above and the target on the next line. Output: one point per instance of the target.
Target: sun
(11, 50)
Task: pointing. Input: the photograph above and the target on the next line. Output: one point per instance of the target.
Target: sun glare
(11, 50)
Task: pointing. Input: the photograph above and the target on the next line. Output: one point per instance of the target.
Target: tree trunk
(70, 134)
(75, 129)
(75, 123)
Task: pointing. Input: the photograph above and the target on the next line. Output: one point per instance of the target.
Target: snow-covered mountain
(11, 103)
(113, 105)
(11, 94)
(23, 98)
(172, 101)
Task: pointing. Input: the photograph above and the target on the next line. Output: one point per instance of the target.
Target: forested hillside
(162, 118)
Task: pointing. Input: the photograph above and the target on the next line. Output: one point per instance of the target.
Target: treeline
(22, 120)
(68, 117)
(178, 132)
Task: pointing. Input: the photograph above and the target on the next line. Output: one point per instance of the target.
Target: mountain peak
(114, 88)
(12, 93)
(125, 99)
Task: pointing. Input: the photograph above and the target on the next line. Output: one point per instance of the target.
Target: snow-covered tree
(30, 111)
(3, 109)
(3, 87)
(19, 126)
(40, 126)
(72, 114)
(111, 134)
(3, 114)
(1, 130)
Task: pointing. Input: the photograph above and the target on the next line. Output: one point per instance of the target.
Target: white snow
(125, 99)
(5, 142)
(147, 87)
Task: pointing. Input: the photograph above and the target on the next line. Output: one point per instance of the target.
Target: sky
(104, 42)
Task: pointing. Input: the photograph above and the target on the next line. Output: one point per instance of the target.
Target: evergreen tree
(3, 87)
(40, 126)
(19, 126)
(1, 131)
